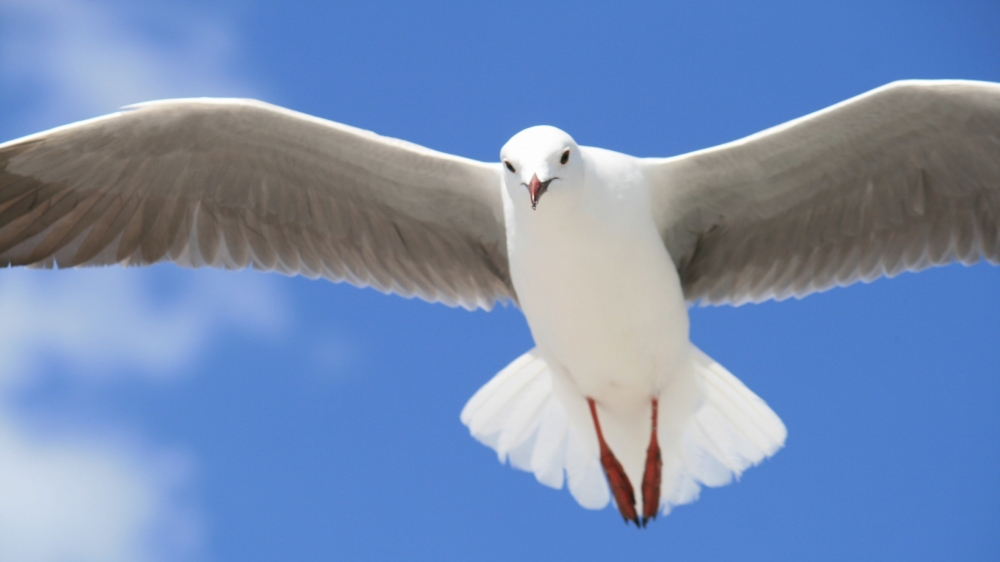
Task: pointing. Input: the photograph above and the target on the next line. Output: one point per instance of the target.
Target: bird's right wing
(238, 183)
(900, 178)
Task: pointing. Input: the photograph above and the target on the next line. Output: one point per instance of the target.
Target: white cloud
(67, 493)
(71, 492)
(80, 59)
(69, 501)
(103, 320)
(86, 499)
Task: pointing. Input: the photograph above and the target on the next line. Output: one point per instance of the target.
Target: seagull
(602, 251)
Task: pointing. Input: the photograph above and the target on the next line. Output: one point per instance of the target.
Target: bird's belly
(609, 313)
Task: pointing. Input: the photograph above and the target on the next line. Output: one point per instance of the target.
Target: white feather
(518, 414)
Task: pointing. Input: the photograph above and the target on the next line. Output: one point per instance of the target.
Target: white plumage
(518, 415)
(602, 251)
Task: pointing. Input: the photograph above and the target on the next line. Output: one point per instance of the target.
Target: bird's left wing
(900, 178)
(238, 183)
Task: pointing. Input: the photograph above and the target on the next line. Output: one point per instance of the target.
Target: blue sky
(169, 414)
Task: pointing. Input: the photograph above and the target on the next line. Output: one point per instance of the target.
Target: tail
(732, 430)
(517, 414)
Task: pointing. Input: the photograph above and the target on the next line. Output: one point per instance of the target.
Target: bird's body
(602, 251)
(606, 308)
(602, 297)
(597, 286)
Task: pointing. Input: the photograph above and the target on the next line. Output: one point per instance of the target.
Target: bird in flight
(603, 252)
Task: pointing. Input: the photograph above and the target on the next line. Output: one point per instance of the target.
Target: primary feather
(239, 183)
(897, 179)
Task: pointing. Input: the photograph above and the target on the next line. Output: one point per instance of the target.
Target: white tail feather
(733, 424)
(732, 430)
(517, 414)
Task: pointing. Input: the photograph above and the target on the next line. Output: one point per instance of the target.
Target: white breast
(599, 291)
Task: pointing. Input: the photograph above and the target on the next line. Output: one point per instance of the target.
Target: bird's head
(537, 160)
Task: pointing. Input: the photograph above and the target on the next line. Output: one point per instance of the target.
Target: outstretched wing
(900, 178)
(238, 183)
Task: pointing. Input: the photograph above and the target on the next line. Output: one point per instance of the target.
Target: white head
(538, 160)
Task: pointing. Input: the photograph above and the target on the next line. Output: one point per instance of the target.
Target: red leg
(651, 476)
(621, 488)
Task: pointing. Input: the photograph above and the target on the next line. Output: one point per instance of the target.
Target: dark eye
(509, 166)
(565, 157)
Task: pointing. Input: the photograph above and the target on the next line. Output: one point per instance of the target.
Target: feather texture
(239, 183)
(519, 416)
(901, 178)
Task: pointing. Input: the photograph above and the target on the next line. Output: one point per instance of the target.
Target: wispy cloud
(105, 321)
(85, 494)
(73, 59)
(75, 494)
(88, 498)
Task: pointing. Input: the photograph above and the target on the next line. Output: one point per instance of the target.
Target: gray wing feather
(901, 178)
(240, 183)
